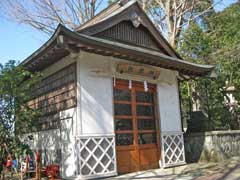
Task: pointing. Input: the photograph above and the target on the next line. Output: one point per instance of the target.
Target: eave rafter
(131, 57)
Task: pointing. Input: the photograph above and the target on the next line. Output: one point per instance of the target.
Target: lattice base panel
(97, 156)
(172, 149)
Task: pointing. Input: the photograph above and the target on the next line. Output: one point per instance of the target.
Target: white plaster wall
(168, 100)
(48, 142)
(67, 141)
(58, 145)
(95, 95)
(95, 104)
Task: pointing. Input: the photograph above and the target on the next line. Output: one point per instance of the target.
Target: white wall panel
(96, 95)
(168, 97)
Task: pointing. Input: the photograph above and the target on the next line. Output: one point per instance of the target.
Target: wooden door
(136, 127)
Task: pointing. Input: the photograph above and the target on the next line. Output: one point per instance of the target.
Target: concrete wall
(212, 146)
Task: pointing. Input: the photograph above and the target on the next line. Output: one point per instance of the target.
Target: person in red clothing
(9, 163)
(27, 160)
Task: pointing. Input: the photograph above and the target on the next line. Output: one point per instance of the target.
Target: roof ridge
(120, 4)
(100, 13)
(94, 17)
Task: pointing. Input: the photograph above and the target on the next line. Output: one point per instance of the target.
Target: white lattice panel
(172, 149)
(97, 156)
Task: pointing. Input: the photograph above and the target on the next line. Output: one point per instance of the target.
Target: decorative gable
(126, 32)
(128, 23)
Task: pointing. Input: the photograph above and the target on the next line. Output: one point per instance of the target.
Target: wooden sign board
(139, 70)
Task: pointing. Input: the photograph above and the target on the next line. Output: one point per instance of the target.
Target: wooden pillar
(27, 165)
(38, 166)
(21, 170)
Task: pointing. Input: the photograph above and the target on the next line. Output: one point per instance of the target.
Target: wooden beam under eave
(80, 45)
(95, 51)
(120, 56)
(45, 56)
(86, 48)
(123, 55)
(35, 63)
(145, 60)
(131, 57)
(153, 63)
(89, 50)
(53, 50)
(71, 42)
(116, 54)
(99, 51)
(139, 59)
(30, 66)
(188, 72)
(107, 53)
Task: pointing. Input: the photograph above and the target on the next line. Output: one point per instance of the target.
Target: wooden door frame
(122, 84)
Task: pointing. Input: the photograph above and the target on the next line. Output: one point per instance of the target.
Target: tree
(15, 115)
(216, 42)
(173, 17)
(45, 15)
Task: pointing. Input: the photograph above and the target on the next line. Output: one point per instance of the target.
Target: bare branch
(45, 15)
(176, 14)
(200, 14)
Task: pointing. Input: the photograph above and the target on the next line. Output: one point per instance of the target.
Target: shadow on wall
(215, 146)
(49, 146)
(56, 145)
(194, 147)
(67, 147)
(194, 144)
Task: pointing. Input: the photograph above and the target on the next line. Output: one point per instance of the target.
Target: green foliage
(196, 45)
(216, 42)
(111, 1)
(225, 27)
(15, 116)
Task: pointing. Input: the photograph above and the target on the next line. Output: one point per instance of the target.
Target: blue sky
(18, 41)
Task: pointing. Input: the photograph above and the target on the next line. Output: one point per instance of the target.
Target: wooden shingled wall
(53, 94)
(126, 32)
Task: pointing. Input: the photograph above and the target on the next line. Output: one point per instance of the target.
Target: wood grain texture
(126, 32)
(137, 156)
(53, 94)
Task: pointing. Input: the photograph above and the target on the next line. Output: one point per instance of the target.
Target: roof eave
(96, 44)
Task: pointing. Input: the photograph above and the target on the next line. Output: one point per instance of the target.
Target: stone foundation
(212, 146)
